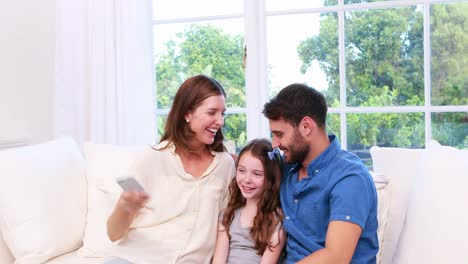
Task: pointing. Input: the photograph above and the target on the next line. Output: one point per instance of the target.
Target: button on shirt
(338, 187)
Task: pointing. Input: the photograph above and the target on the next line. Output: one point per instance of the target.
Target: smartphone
(129, 183)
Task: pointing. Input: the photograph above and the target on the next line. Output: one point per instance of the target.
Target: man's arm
(340, 243)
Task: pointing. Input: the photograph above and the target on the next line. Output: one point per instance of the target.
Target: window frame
(256, 75)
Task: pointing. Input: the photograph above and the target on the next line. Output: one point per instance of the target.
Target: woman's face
(207, 119)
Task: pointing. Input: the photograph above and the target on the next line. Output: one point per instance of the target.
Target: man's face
(290, 140)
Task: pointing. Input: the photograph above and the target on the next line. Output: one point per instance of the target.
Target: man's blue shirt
(338, 187)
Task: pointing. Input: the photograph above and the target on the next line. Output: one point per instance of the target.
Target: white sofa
(54, 204)
(55, 200)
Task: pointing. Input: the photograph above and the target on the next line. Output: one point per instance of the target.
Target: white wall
(27, 46)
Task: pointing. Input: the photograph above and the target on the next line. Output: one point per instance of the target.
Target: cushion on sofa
(105, 163)
(400, 166)
(383, 199)
(43, 200)
(435, 229)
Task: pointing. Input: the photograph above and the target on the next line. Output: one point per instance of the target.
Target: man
(327, 194)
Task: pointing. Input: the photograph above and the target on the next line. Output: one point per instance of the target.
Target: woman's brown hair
(269, 214)
(188, 97)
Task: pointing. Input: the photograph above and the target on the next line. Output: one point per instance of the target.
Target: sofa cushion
(43, 200)
(400, 166)
(435, 231)
(383, 199)
(105, 163)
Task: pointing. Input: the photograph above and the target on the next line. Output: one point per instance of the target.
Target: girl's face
(207, 119)
(250, 176)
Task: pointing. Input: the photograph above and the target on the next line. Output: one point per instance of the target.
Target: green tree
(449, 51)
(204, 49)
(384, 67)
(449, 71)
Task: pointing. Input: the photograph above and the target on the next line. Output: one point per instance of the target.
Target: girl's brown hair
(269, 214)
(188, 97)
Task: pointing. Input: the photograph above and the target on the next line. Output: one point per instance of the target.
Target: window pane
(277, 5)
(334, 125)
(384, 57)
(305, 54)
(161, 123)
(163, 9)
(385, 130)
(450, 129)
(235, 129)
(449, 53)
(213, 48)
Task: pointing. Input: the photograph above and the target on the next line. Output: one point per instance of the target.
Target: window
(394, 73)
(201, 37)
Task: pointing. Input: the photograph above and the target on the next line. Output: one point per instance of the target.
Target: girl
(250, 230)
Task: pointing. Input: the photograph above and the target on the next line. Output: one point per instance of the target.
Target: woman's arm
(271, 256)
(222, 246)
(124, 212)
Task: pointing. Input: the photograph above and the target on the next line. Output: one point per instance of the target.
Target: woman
(185, 177)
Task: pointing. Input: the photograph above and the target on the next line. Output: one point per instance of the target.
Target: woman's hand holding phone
(133, 197)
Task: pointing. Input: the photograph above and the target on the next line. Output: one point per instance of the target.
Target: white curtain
(104, 88)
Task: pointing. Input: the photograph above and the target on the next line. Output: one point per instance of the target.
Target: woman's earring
(187, 120)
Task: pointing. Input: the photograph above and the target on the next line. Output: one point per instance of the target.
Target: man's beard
(298, 149)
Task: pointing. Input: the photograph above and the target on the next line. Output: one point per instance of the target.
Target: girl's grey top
(241, 247)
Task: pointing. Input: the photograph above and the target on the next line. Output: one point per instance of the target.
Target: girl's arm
(124, 212)
(271, 256)
(222, 246)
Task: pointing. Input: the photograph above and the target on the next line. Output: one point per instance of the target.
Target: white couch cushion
(383, 200)
(400, 166)
(43, 200)
(105, 163)
(435, 229)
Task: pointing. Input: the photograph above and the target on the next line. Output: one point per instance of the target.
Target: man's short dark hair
(296, 101)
